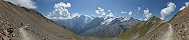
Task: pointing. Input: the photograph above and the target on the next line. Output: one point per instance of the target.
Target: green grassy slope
(142, 28)
(130, 32)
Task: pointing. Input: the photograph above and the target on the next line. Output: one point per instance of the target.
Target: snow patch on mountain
(76, 15)
(88, 18)
(107, 21)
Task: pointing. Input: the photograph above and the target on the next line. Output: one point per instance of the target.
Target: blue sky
(88, 7)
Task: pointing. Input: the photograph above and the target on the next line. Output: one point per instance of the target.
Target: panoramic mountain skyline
(94, 20)
(138, 9)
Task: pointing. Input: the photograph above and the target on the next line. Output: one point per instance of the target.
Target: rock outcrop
(19, 23)
(175, 29)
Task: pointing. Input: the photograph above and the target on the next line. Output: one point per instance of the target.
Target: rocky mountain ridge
(19, 23)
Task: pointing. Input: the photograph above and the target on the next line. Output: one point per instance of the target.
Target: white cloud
(24, 3)
(130, 13)
(108, 18)
(186, 5)
(109, 11)
(139, 8)
(166, 11)
(110, 14)
(123, 12)
(147, 14)
(62, 5)
(100, 11)
(60, 12)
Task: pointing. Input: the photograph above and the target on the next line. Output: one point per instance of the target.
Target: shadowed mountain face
(18, 23)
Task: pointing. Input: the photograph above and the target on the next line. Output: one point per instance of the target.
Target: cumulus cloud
(60, 12)
(186, 5)
(166, 11)
(110, 14)
(24, 3)
(147, 14)
(100, 11)
(109, 11)
(62, 5)
(130, 13)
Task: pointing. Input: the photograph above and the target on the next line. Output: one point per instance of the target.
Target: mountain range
(20, 23)
(85, 25)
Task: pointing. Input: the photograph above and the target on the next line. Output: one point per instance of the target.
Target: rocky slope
(141, 29)
(19, 23)
(180, 25)
(175, 29)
